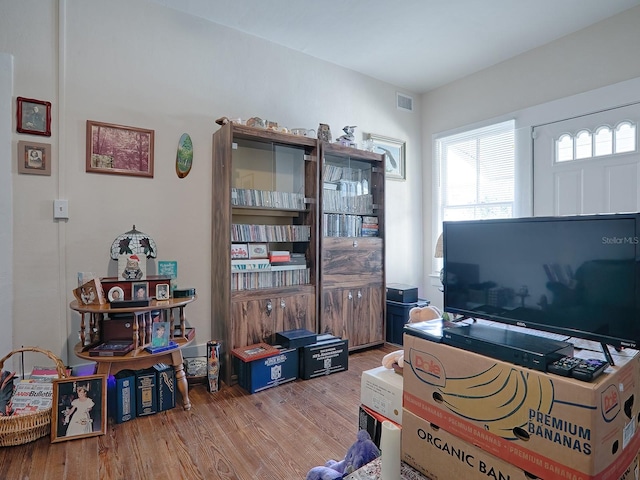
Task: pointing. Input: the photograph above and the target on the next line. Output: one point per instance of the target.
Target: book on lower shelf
(112, 348)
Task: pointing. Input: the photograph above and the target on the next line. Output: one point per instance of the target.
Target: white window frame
(438, 207)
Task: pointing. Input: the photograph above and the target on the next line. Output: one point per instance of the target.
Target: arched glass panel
(584, 148)
(603, 141)
(564, 148)
(625, 137)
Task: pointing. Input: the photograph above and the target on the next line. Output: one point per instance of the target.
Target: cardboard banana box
(442, 456)
(548, 425)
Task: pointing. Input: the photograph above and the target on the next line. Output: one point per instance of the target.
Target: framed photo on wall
(34, 116)
(34, 158)
(79, 407)
(120, 150)
(394, 154)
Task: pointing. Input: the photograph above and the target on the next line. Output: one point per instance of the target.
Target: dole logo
(610, 403)
(426, 367)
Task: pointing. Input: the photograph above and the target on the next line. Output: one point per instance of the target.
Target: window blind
(477, 173)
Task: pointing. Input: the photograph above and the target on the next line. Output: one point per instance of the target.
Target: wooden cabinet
(353, 298)
(352, 276)
(257, 316)
(265, 197)
(323, 203)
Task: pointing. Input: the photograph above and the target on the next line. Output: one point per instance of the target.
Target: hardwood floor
(279, 433)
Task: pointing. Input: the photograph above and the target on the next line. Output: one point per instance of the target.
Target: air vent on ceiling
(404, 102)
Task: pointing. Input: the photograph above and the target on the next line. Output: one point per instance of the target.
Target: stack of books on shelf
(337, 201)
(296, 261)
(341, 225)
(270, 233)
(331, 173)
(243, 197)
(281, 268)
(369, 226)
(250, 265)
(269, 279)
(279, 256)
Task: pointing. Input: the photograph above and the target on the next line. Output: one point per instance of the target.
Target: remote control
(564, 366)
(589, 369)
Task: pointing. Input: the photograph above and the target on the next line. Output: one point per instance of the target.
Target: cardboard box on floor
(534, 420)
(442, 456)
(381, 391)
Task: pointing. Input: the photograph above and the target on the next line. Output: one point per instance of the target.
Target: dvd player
(520, 348)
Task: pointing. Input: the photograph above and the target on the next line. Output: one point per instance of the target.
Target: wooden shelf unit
(265, 160)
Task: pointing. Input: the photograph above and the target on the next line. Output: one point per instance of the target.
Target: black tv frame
(452, 231)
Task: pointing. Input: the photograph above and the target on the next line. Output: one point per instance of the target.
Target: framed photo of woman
(79, 407)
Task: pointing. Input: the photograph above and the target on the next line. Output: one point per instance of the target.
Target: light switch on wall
(60, 209)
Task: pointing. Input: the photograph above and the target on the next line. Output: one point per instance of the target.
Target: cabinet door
(295, 312)
(359, 326)
(334, 314)
(377, 300)
(252, 321)
(364, 315)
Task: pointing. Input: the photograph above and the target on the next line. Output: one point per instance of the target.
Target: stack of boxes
(469, 416)
(298, 354)
(380, 400)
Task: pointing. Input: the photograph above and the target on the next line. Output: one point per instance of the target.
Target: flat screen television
(574, 275)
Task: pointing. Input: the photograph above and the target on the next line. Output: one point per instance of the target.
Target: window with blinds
(477, 173)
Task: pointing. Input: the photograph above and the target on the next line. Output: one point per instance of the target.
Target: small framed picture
(116, 294)
(34, 158)
(140, 290)
(160, 334)
(34, 116)
(162, 291)
(394, 151)
(258, 250)
(79, 407)
(239, 250)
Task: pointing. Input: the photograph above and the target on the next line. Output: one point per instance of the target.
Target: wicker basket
(21, 429)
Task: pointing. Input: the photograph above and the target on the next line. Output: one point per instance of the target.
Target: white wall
(6, 208)
(138, 64)
(600, 55)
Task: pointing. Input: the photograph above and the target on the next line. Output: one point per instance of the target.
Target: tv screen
(574, 275)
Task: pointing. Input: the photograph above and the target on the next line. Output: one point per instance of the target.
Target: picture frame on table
(394, 151)
(116, 294)
(119, 149)
(140, 290)
(79, 407)
(162, 291)
(160, 334)
(34, 116)
(34, 158)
